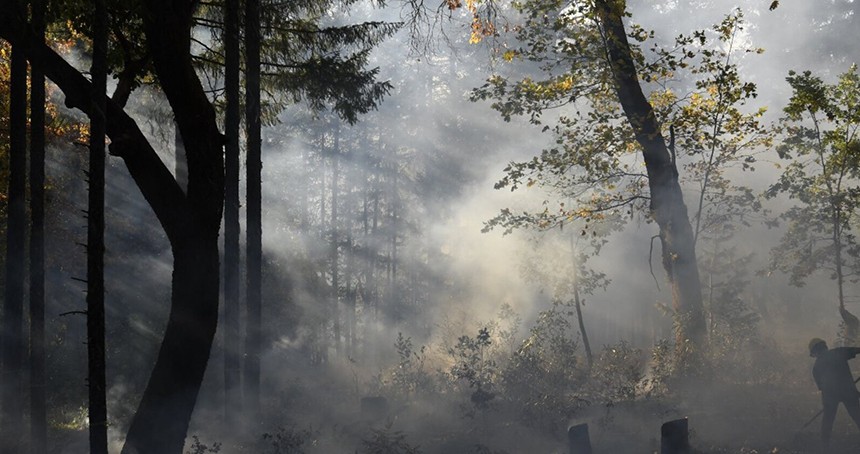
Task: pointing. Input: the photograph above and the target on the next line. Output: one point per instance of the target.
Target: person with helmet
(833, 377)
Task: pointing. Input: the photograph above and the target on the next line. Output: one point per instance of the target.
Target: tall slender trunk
(12, 384)
(393, 295)
(375, 248)
(351, 287)
(322, 336)
(232, 338)
(335, 247)
(254, 243)
(850, 321)
(38, 410)
(577, 301)
(96, 380)
(667, 204)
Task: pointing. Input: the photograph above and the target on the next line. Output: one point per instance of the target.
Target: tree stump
(675, 437)
(578, 439)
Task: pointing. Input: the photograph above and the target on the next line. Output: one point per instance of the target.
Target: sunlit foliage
(822, 150)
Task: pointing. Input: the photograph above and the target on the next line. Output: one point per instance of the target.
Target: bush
(618, 373)
(473, 364)
(543, 377)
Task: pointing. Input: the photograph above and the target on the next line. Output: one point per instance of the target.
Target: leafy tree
(718, 133)
(583, 52)
(820, 141)
(563, 268)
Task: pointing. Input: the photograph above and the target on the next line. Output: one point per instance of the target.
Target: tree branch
(152, 177)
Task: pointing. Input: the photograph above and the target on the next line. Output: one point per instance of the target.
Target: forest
(403, 227)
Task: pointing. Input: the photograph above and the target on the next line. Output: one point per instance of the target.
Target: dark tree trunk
(38, 410)
(667, 204)
(232, 339)
(12, 384)
(254, 214)
(180, 163)
(96, 380)
(161, 421)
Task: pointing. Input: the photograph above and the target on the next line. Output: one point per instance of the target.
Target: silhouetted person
(834, 379)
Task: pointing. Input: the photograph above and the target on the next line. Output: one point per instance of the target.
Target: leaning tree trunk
(12, 341)
(161, 421)
(667, 203)
(578, 303)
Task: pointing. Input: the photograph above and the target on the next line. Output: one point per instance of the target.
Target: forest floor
(738, 419)
(723, 419)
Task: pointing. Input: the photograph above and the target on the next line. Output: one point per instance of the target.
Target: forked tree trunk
(667, 203)
(161, 421)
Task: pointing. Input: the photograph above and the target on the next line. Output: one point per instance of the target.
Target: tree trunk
(12, 384)
(38, 410)
(180, 160)
(667, 204)
(589, 357)
(335, 247)
(254, 242)
(161, 421)
(96, 380)
(232, 338)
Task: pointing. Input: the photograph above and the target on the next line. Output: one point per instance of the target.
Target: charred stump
(578, 439)
(675, 437)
